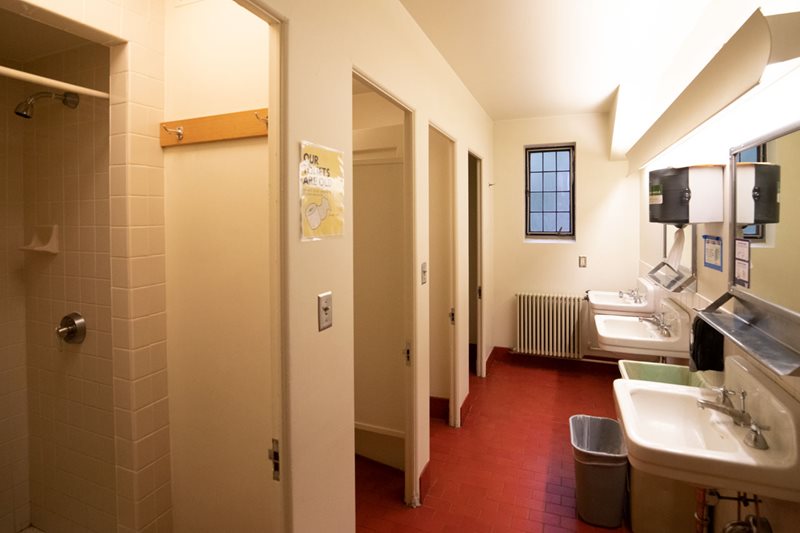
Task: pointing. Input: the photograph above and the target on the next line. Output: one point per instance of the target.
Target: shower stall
(57, 430)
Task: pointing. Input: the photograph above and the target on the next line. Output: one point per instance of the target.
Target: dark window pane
(549, 181)
(536, 181)
(549, 203)
(549, 222)
(536, 222)
(749, 156)
(549, 160)
(562, 201)
(563, 181)
(562, 161)
(562, 221)
(536, 161)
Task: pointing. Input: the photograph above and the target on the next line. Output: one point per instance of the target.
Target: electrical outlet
(325, 310)
(581, 261)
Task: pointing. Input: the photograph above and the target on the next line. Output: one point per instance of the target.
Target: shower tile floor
(510, 467)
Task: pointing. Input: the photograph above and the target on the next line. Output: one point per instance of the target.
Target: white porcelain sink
(620, 303)
(668, 435)
(609, 302)
(630, 334)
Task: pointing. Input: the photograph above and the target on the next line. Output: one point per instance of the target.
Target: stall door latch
(274, 456)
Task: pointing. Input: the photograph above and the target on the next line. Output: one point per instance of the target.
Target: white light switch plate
(325, 310)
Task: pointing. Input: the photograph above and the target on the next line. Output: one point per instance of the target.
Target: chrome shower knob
(72, 328)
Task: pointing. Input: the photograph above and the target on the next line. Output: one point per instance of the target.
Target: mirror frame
(768, 332)
(791, 128)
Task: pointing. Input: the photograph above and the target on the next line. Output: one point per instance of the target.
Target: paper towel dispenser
(758, 187)
(686, 195)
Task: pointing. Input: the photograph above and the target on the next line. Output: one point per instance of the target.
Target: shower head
(25, 108)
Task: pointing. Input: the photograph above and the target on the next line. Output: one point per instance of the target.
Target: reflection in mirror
(774, 247)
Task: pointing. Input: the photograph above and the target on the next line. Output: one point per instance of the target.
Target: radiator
(548, 324)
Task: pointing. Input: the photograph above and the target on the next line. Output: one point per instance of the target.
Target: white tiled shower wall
(65, 168)
(14, 482)
(133, 29)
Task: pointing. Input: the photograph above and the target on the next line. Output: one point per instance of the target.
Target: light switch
(581, 261)
(325, 310)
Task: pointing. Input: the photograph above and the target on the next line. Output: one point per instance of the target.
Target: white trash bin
(601, 469)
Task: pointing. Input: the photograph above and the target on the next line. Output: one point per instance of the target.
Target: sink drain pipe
(703, 513)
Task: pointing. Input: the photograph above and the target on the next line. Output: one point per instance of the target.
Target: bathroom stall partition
(381, 270)
(440, 274)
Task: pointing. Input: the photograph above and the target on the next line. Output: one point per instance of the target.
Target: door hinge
(407, 353)
(480, 292)
(452, 315)
(275, 457)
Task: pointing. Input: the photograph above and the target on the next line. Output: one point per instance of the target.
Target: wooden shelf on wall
(238, 125)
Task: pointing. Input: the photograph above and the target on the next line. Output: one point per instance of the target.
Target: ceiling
(23, 39)
(527, 58)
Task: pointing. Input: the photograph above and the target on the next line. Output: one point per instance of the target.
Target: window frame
(555, 147)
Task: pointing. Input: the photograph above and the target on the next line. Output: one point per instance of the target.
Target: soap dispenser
(686, 195)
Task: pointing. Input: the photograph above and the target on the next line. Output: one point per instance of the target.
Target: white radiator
(548, 324)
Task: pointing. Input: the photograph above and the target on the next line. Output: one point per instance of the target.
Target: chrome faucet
(657, 319)
(633, 293)
(740, 417)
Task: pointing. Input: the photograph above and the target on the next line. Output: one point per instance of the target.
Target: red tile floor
(510, 467)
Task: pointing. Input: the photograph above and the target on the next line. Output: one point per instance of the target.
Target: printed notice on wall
(321, 191)
(712, 252)
(741, 272)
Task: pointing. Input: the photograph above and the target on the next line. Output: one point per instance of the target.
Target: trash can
(601, 469)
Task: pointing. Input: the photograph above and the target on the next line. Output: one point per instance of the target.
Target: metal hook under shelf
(265, 120)
(177, 131)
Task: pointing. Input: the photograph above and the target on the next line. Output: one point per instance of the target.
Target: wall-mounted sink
(640, 300)
(668, 435)
(643, 335)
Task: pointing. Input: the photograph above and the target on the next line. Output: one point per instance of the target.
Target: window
(550, 191)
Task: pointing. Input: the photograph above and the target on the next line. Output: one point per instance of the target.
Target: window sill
(549, 240)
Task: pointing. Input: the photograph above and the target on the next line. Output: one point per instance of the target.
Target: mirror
(774, 247)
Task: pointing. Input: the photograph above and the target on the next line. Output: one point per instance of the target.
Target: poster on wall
(321, 173)
(712, 252)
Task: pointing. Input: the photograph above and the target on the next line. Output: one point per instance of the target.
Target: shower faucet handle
(72, 328)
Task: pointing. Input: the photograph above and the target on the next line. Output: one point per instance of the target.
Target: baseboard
(440, 408)
(379, 447)
(466, 407)
(424, 482)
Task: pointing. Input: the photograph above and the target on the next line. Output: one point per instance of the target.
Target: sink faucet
(633, 293)
(740, 417)
(657, 319)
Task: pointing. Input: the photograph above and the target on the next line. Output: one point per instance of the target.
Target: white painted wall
(607, 211)
(218, 264)
(325, 41)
